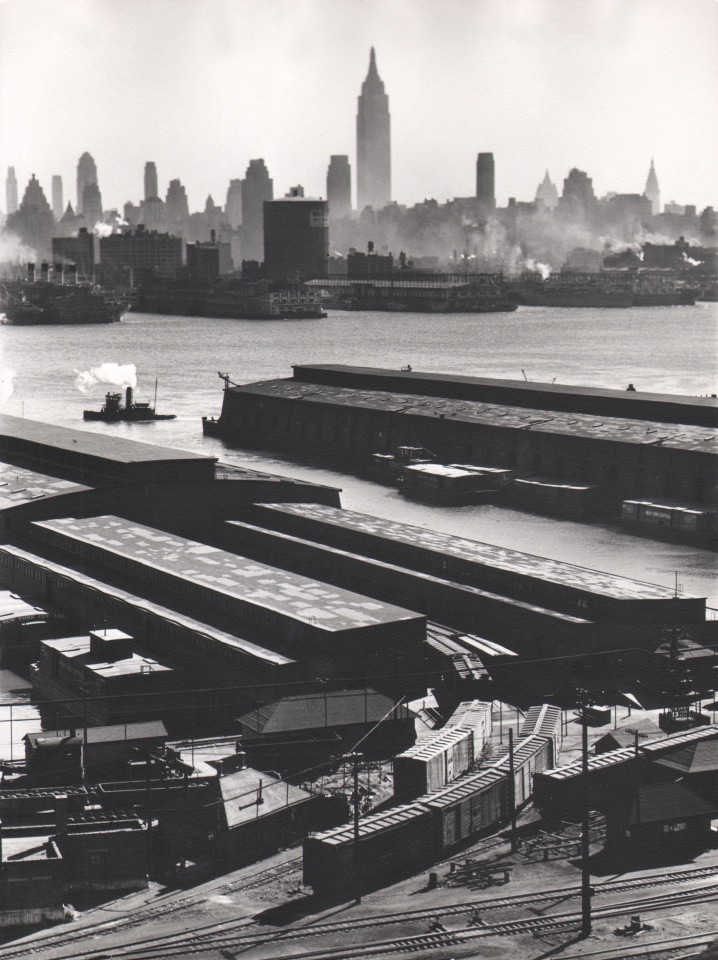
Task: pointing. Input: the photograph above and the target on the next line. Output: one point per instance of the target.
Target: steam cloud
(118, 374)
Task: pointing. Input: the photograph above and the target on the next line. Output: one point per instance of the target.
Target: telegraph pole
(356, 757)
(585, 869)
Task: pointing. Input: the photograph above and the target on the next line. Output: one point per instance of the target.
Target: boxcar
(433, 763)
(392, 844)
(545, 720)
(468, 807)
(531, 755)
(474, 715)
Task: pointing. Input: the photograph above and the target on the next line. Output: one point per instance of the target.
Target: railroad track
(234, 935)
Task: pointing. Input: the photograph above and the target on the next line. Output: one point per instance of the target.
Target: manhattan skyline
(200, 87)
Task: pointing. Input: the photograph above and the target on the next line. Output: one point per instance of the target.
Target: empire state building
(373, 142)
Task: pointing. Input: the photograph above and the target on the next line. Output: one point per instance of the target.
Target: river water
(661, 349)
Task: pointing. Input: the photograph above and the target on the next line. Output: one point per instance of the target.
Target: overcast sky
(203, 86)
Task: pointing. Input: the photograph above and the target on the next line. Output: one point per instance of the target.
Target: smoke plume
(117, 374)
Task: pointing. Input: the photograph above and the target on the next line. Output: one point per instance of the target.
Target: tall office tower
(373, 142)
(578, 199)
(233, 205)
(339, 186)
(92, 205)
(257, 187)
(33, 222)
(296, 237)
(151, 189)
(176, 207)
(57, 202)
(86, 173)
(485, 187)
(652, 191)
(546, 193)
(11, 191)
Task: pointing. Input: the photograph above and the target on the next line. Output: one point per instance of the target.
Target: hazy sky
(202, 86)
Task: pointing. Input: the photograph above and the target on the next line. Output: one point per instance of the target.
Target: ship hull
(33, 304)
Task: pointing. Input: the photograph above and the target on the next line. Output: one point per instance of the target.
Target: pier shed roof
(325, 608)
(22, 484)
(685, 437)
(474, 551)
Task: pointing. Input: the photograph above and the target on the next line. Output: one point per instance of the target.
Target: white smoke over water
(117, 374)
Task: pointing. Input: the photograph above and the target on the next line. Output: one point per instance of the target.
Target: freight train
(398, 841)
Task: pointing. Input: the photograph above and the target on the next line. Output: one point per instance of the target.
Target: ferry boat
(55, 303)
(113, 410)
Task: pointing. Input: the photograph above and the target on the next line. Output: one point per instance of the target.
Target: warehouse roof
(336, 708)
(250, 794)
(685, 437)
(20, 484)
(488, 554)
(327, 608)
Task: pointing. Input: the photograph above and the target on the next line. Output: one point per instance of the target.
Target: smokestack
(61, 804)
(128, 397)
(72, 272)
(213, 236)
(31, 273)
(44, 271)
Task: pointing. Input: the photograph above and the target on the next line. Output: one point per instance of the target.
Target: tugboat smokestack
(128, 398)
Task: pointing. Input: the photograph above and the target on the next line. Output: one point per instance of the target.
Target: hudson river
(662, 349)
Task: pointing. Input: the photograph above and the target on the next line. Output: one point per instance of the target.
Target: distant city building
(233, 206)
(339, 187)
(627, 210)
(176, 208)
(78, 250)
(11, 191)
(33, 222)
(257, 187)
(86, 174)
(213, 216)
(546, 193)
(296, 237)
(583, 260)
(485, 183)
(578, 200)
(207, 261)
(151, 188)
(57, 198)
(369, 265)
(151, 214)
(140, 253)
(652, 190)
(373, 142)
(92, 205)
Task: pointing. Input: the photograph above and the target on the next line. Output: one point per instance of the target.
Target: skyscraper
(33, 222)
(86, 173)
(296, 237)
(151, 189)
(578, 201)
(57, 202)
(257, 187)
(652, 191)
(91, 205)
(176, 208)
(373, 142)
(546, 193)
(339, 187)
(485, 188)
(233, 205)
(11, 191)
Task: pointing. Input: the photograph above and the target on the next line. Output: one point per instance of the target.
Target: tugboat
(112, 410)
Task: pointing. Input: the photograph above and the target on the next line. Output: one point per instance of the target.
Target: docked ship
(420, 293)
(609, 288)
(132, 411)
(231, 299)
(25, 303)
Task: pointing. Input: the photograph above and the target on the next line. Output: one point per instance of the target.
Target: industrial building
(296, 237)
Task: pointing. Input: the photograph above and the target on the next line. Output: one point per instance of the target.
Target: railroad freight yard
(270, 726)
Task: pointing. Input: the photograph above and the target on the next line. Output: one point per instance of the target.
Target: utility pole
(356, 757)
(585, 869)
(512, 790)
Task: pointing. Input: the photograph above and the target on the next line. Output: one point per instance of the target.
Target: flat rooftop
(77, 649)
(684, 437)
(23, 849)
(201, 629)
(85, 442)
(13, 607)
(323, 607)
(20, 485)
(483, 554)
